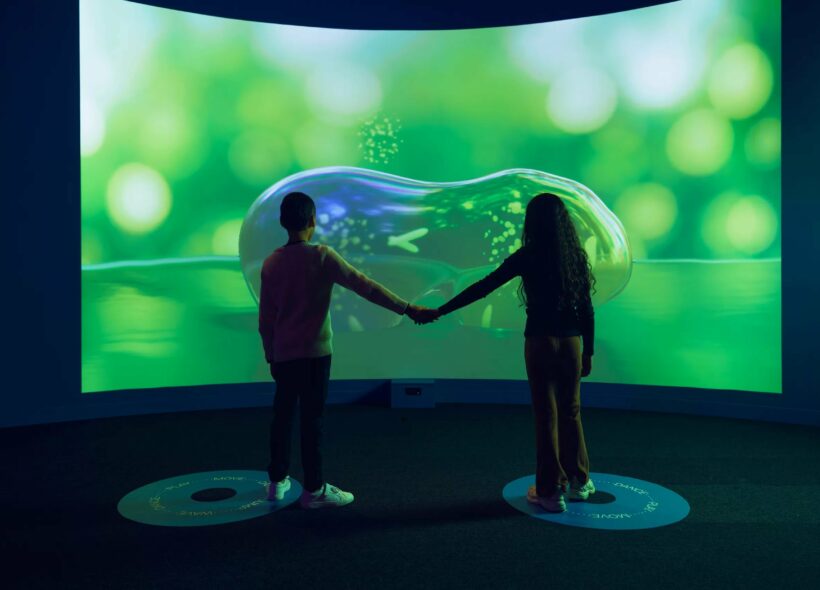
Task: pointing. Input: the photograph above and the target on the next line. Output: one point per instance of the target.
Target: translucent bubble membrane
(428, 240)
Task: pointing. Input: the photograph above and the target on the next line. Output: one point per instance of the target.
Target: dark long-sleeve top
(544, 318)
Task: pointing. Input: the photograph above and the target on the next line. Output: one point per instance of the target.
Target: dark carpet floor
(428, 510)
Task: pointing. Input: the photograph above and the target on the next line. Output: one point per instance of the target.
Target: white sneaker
(579, 493)
(277, 490)
(552, 503)
(325, 497)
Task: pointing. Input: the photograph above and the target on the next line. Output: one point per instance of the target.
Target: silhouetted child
(294, 322)
(555, 287)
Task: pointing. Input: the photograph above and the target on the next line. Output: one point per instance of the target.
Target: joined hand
(422, 315)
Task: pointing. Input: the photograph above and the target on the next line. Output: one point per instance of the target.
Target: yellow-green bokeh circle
(647, 210)
(138, 199)
(741, 81)
(700, 142)
(225, 239)
(735, 224)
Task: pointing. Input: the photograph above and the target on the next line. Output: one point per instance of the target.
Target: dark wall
(41, 208)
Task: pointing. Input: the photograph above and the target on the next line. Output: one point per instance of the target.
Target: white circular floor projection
(205, 498)
(620, 503)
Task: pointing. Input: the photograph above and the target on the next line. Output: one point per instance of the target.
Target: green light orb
(647, 210)
(225, 240)
(763, 142)
(736, 224)
(751, 225)
(741, 81)
(700, 142)
(581, 101)
(138, 198)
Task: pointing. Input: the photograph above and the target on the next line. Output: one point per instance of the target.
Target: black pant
(307, 380)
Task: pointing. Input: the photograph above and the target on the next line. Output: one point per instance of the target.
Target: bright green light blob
(647, 210)
(581, 100)
(256, 157)
(763, 142)
(700, 142)
(741, 81)
(739, 224)
(138, 199)
(751, 224)
(516, 207)
(225, 241)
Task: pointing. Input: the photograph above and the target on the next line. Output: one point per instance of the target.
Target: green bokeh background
(670, 114)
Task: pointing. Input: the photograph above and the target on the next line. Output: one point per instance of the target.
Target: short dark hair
(295, 211)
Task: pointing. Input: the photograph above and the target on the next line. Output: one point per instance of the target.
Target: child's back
(294, 302)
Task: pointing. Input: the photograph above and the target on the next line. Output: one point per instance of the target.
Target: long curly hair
(550, 236)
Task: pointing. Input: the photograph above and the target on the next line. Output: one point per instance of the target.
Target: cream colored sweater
(294, 301)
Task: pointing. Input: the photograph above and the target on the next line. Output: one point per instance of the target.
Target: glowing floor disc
(202, 499)
(620, 503)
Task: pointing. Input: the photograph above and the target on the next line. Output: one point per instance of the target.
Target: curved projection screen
(669, 114)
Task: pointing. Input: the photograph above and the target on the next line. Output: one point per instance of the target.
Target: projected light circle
(620, 503)
(138, 198)
(752, 224)
(443, 235)
(741, 81)
(581, 100)
(648, 210)
(700, 142)
(203, 499)
(735, 223)
(225, 238)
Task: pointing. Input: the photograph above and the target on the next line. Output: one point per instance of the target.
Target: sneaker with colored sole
(578, 492)
(328, 496)
(277, 489)
(552, 503)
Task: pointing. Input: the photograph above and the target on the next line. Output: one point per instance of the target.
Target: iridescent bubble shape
(418, 237)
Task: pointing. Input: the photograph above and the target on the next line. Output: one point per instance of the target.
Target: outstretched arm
(343, 273)
(511, 267)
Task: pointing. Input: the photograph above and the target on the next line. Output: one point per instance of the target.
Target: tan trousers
(554, 373)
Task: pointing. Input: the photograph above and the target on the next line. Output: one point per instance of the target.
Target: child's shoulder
(273, 258)
(324, 250)
(284, 252)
